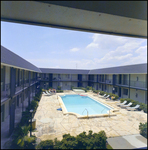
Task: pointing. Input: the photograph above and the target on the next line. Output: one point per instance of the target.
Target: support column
(12, 117)
(129, 86)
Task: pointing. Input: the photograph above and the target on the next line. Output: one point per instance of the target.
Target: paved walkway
(51, 123)
(128, 142)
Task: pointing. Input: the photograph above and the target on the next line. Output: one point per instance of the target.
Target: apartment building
(125, 81)
(20, 81)
(18, 86)
(66, 78)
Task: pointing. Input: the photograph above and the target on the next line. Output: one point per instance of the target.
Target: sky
(47, 47)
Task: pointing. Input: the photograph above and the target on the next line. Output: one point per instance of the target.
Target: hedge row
(81, 141)
(21, 140)
(59, 91)
(143, 129)
(111, 94)
(134, 103)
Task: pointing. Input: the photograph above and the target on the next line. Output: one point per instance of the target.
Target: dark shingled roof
(129, 69)
(64, 71)
(11, 58)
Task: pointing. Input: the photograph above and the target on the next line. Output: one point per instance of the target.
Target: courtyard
(51, 123)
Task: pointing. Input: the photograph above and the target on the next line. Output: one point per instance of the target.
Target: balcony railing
(18, 86)
(108, 81)
(33, 81)
(26, 83)
(5, 91)
(101, 81)
(122, 82)
(139, 84)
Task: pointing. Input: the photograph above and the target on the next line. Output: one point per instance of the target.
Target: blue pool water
(77, 104)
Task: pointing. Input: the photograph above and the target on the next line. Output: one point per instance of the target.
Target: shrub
(102, 93)
(89, 88)
(81, 141)
(58, 88)
(36, 98)
(47, 144)
(143, 107)
(116, 96)
(20, 138)
(34, 105)
(59, 91)
(143, 129)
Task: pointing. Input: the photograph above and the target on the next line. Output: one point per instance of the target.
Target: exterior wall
(140, 95)
(6, 112)
(84, 77)
(141, 77)
(74, 77)
(7, 75)
(122, 94)
(54, 85)
(109, 88)
(95, 77)
(66, 86)
(142, 80)
(85, 84)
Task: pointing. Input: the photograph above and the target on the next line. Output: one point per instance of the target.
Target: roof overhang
(125, 18)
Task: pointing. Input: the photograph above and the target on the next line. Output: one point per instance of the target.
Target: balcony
(122, 82)
(64, 79)
(5, 93)
(32, 81)
(138, 84)
(108, 81)
(26, 83)
(101, 81)
(44, 79)
(18, 86)
(92, 80)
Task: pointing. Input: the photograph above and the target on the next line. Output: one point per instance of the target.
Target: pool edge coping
(65, 112)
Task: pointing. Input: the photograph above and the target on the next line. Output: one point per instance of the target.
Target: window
(105, 86)
(137, 78)
(125, 91)
(68, 76)
(116, 89)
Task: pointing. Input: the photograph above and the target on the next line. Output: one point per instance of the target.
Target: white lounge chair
(46, 93)
(133, 108)
(106, 96)
(118, 104)
(124, 106)
(103, 95)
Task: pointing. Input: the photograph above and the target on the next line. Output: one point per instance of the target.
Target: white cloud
(142, 49)
(74, 49)
(92, 45)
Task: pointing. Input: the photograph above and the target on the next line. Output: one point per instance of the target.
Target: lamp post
(31, 111)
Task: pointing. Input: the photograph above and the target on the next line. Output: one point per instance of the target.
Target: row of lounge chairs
(128, 106)
(104, 96)
(48, 93)
(122, 105)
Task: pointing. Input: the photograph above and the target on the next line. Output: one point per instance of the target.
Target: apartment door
(119, 92)
(12, 117)
(120, 78)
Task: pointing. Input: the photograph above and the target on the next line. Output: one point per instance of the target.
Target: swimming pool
(84, 104)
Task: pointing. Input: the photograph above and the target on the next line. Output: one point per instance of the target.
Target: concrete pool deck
(51, 123)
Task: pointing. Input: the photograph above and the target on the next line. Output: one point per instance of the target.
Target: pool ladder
(109, 112)
(87, 112)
